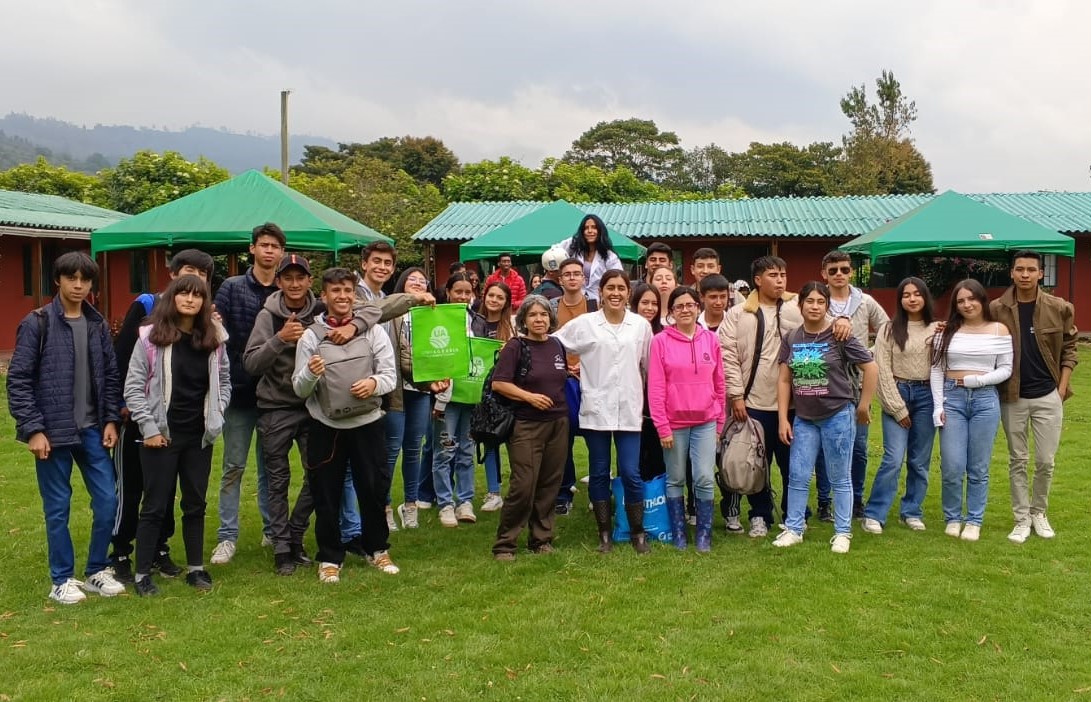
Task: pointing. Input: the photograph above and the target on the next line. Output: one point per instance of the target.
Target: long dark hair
(639, 288)
(504, 331)
(898, 330)
(399, 287)
(579, 245)
(165, 317)
(954, 318)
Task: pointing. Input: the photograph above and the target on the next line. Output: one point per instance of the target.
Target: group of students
(651, 371)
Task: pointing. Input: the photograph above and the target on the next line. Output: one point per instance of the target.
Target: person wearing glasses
(686, 400)
(854, 314)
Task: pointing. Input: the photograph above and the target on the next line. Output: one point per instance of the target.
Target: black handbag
(492, 419)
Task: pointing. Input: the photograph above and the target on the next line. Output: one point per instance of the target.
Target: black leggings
(187, 464)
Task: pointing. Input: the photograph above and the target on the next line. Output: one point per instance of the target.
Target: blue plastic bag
(573, 396)
(657, 523)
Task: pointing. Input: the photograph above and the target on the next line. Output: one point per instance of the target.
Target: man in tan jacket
(751, 385)
(1043, 332)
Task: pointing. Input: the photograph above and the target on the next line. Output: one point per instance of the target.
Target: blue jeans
(568, 478)
(238, 433)
(699, 445)
(413, 432)
(966, 438)
(492, 470)
(859, 468)
(912, 446)
(834, 436)
(55, 486)
(628, 464)
(453, 456)
(349, 520)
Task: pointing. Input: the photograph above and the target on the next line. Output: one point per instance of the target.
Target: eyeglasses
(572, 274)
(685, 306)
(417, 279)
(845, 270)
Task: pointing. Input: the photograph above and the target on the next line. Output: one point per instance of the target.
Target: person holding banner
(612, 344)
(539, 440)
(496, 309)
(453, 449)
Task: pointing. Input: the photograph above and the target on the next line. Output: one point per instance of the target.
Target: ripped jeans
(453, 456)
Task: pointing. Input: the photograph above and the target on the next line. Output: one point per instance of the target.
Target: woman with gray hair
(531, 371)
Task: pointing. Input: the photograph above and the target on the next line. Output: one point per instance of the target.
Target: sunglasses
(845, 270)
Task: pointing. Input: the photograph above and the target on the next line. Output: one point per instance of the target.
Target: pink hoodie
(685, 381)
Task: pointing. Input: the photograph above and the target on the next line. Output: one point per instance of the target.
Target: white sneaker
(953, 529)
(329, 573)
(787, 538)
(758, 530)
(381, 560)
(266, 542)
(465, 513)
(223, 553)
(447, 516)
(391, 523)
(408, 514)
(68, 592)
(1019, 534)
(734, 526)
(692, 520)
(871, 526)
(493, 502)
(971, 532)
(585, 479)
(421, 504)
(1041, 526)
(914, 523)
(840, 543)
(104, 583)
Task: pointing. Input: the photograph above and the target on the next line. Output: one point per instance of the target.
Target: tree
(387, 199)
(636, 144)
(426, 159)
(149, 179)
(40, 177)
(503, 181)
(879, 155)
(786, 170)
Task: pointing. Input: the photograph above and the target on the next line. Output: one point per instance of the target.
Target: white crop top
(989, 354)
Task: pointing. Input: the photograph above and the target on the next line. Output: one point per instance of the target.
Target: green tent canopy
(955, 224)
(223, 216)
(530, 236)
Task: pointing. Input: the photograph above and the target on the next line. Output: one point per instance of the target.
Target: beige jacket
(913, 363)
(738, 337)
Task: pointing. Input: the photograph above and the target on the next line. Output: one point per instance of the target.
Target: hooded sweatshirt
(685, 381)
(862, 311)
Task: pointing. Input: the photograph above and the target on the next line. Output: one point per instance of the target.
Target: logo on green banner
(440, 339)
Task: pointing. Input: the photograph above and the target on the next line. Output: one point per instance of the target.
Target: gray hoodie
(149, 384)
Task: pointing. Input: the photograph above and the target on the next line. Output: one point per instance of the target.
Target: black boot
(601, 509)
(637, 537)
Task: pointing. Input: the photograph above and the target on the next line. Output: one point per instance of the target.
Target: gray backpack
(345, 364)
(742, 466)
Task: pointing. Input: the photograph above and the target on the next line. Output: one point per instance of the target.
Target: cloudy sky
(1001, 87)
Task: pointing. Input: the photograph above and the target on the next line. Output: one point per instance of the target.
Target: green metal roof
(33, 211)
(759, 217)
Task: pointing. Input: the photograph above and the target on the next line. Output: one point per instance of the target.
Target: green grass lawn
(904, 616)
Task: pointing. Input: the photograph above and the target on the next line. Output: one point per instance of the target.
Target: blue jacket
(238, 301)
(42, 375)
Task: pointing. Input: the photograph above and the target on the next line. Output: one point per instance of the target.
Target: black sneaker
(355, 546)
(299, 555)
(284, 564)
(166, 567)
(563, 509)
(858, 510)
(123, 569)
(199, 579)
(825, 512)
(146, 587)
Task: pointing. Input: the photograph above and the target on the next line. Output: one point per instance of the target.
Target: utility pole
(284, 136)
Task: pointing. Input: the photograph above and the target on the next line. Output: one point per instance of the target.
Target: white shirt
(613, 362)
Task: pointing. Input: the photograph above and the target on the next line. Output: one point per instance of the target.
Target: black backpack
(492, 419)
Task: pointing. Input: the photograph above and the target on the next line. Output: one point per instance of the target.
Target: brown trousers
(536, 454)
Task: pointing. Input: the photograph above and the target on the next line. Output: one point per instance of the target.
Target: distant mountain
(23, 138)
